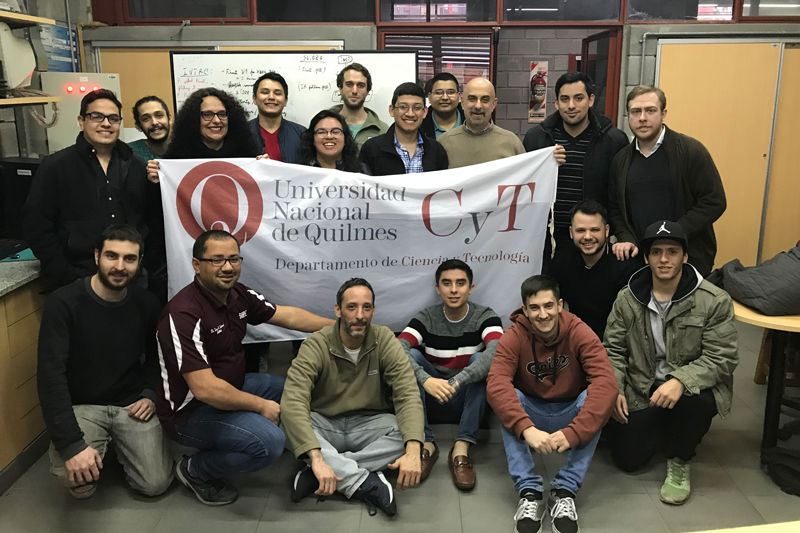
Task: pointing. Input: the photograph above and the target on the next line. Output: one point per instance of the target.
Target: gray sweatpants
(355, 445)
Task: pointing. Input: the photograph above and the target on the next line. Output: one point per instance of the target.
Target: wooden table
(781, 326)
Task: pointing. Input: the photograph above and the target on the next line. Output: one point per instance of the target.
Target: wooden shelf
(29, 101)
(18, 20)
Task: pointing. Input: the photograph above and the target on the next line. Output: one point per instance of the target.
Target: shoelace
(677, 474)
(529, 509)
(565, 507)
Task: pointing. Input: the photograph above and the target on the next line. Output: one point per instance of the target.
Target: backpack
(783, 466)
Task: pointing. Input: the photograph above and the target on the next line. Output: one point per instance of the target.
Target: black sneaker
(530, 512)
(562, 511)
(376, 492)
(305, 484)
(214, 492)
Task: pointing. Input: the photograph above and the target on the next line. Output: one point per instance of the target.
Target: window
(771, 8)
(438, 10)
(315, 11)
(464, 56)
(188, 9)
(680, 10)
(544, 10)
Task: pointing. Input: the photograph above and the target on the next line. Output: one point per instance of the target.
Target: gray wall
(632, 51)
(515, 51)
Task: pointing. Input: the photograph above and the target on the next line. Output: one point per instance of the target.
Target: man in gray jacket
(672, 342)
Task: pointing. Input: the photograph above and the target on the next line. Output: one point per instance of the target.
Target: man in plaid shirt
(403, 149)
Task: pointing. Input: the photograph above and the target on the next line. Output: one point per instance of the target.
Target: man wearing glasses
(403, 149)
(80, 190)
(445, 112)
(205, 398)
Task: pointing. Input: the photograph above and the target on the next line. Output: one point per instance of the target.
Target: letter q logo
(220, 195)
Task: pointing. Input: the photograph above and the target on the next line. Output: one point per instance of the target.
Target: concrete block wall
(632, 51)
(515, 51)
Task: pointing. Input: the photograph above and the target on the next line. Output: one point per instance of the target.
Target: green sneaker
(676, 488)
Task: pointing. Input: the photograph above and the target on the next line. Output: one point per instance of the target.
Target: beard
(354, 107)
(162, 140)
(348, 327)
(111, 283)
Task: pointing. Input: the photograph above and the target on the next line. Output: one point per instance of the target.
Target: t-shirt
(196, 331)
(658, 318)
(569, 188)
(355, 128)
(142, 151)
(352, 354)
(271, 146)
(438, 130)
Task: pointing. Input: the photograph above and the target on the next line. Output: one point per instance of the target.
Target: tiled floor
(729, 489)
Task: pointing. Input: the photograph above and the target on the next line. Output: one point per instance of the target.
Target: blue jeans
(549, 417)
(233, 442)
(465, 408)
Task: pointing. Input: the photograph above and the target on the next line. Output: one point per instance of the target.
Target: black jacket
(606, 141)
(288, 138)
(426, 128)
(379, 154)
(62, 217)
(699, 196)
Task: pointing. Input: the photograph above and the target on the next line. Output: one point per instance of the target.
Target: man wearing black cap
(672, 342)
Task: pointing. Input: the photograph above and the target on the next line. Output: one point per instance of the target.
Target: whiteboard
(310, 76)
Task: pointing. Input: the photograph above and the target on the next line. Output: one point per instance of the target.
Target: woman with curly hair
(210, 124)
(328, 143)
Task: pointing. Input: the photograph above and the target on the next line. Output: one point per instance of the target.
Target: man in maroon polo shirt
(205, 399)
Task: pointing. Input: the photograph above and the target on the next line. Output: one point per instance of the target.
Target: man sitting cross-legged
(98, 369)
(458, 339)
(351, 407)
(552, 387)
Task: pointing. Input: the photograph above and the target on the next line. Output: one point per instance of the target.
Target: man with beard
(672, 342)
(679, 183)
(277, 137)
(151, 117)
(351, 407)
(589, 275)
(97, 373)
(590, 142)
(79, 191)
(355, 83)
(205, 398)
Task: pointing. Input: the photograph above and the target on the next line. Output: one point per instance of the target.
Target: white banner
(305, 230)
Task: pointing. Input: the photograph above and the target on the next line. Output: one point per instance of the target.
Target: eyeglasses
(403, 108)
(208, 116)
(219, 261)
(335, 132)
(98, 117)
(442, 92)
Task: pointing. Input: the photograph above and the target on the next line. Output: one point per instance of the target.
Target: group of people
(624, 336)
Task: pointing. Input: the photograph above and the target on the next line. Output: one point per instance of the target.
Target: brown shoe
(428, 460)
(461, 468)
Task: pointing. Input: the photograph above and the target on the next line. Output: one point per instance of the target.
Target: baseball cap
(664, 229)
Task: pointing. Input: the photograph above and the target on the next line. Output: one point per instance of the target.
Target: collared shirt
(487, 129)
(196, 332)
(658, 142)
(438, 130)
(413, 164)
(109, 183)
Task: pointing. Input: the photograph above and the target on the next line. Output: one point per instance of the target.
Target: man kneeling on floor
(458, 338)
(351, 407)
(672, 342)
(98, 367)
(553, 388)
(206, 400)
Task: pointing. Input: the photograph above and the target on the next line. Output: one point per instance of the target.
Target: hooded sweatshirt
(555, 372)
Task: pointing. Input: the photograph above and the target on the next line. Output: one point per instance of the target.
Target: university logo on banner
(306, 230)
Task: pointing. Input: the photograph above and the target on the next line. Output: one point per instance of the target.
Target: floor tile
(417, 512)
(709, 511)
(780, 507)
(491, 469)
(186, 512)
(618, 513)
(744, 468)
(707, 476)
(332, 515)
(486, 511)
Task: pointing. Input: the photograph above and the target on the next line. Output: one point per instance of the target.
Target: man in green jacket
(663, 175)
(351, 407)
(355, 84)
(672, 342)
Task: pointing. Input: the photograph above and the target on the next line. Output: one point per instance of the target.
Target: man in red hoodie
(553, 387)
